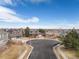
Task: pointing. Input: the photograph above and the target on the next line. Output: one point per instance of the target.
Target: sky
(39, 14)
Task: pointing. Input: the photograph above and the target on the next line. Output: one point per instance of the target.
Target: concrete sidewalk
(59, 53)
(26, 53)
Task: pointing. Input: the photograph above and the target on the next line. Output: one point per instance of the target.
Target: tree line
(27, 32)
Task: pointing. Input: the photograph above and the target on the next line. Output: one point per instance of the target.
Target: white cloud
(6, 10)
(4, 2)
(53, 26)
(8, 1)
(22, 2)
(8, 15)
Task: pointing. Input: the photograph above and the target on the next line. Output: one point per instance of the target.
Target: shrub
(71, 40)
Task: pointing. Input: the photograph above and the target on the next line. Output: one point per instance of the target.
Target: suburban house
(48, 32)
(53, 33)
(3, 37)
(15, 33)
(34, 32)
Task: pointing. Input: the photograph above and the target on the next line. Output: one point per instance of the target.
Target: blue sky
(39, 13)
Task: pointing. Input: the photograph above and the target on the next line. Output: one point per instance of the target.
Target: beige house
(3, 38)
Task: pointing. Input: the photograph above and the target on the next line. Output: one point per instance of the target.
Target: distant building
(35, 32)
(3, 38)
(15, 33)
(53, 33)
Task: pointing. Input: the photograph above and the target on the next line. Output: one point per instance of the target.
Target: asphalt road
(42, 49)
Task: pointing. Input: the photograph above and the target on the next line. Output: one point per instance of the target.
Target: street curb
(59, 54)
(29, 52)
(62, 53)
(24, 53)
(56, 53)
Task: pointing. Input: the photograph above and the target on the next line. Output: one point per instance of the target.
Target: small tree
(42, 31)
(71, 40)
(27, 30)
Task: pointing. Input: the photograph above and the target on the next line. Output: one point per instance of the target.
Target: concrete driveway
(42, 49)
